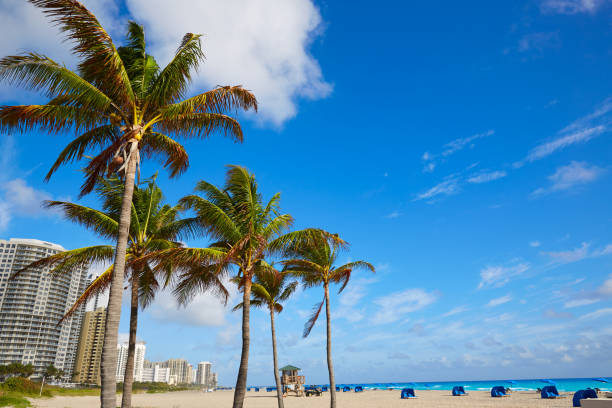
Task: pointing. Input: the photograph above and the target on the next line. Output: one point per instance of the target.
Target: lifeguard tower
(291, 381)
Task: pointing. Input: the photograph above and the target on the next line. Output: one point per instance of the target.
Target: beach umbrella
(603, 380)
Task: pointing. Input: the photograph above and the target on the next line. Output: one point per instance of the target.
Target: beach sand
(366, 399)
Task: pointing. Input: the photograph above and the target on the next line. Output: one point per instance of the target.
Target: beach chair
(550, 392)
(583, 394)
(359, 388)
(458, 391)
(346, 389)
(408, 393)
(498, 392)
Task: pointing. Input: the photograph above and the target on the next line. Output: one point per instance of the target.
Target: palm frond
(39, 73)
(172, 81)
(219, 100)
(254, 303)
(316, 311)
(50, 118)
(96, 220)
(201, 125)
(100, 62)
(217, 223)
(98, 286)
(342, 274)
(172, 154)
(95, 138)
(199, 279)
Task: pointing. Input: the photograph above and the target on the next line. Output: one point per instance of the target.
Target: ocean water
(563, 384)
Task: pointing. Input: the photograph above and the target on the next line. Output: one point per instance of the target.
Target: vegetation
(315, 266)
(155, 227)
(245, 231)
(270, 288)
(120, 103)
(16, 369)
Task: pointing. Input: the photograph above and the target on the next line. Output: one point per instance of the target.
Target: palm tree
(155, 226)
(315, 266)
(270, 288)
(245, 232)
(120, 103)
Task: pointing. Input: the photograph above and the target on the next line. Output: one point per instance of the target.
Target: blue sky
(462, 148)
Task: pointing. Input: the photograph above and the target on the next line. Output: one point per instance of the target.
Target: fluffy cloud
(499, 301)
(261, 44)
(497, 276)
(570, 176)
(393, 306)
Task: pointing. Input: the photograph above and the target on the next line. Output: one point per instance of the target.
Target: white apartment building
(203, 373)
(139, 358)
(32, 304)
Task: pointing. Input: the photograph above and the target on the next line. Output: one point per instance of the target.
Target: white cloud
(447, 187)
(534, 244)
(606, 288)
(456, 310)
(460, 143)
(548, 148)
(572, 175)
(486, 177)
(499, 301)
(261, 44)
(579, 302)
(578, 254)
(597, 314)
(497, 276)
(393, 306)
(204, 310)
(394, 214)
(572, 255)
(538, 41)
(571, 6)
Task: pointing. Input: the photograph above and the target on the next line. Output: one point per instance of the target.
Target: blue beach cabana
(458, 391)
(359, 388)
(550, 391)
(324, 388)
(583, 394)
(498, 391)
(408, 393)
(346, 389)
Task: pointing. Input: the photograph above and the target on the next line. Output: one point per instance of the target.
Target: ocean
(563, 384)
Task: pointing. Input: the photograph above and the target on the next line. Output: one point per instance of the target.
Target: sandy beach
(369, 399)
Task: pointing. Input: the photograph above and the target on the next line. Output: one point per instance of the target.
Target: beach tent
(359, 388)
(458, 391)
(346, 389)
(324, 388)
(498, 391)
(337, 388)
(408, 393)
(583, 394)
(550, 391)
(256, 389)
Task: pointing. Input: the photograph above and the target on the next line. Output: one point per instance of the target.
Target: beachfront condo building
(204, 374)
(33, 303)
(139, 354)
(89, 352)
(179, 369)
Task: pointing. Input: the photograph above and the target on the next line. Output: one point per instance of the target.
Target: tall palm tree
(120, 104)
(155, 227)
(246, 232)
(269, 289)
(315, 266)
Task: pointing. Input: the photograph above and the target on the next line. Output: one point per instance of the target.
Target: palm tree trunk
(279, 391)
(108, 363)
(330, 363)
(240, 391)
(128, 378)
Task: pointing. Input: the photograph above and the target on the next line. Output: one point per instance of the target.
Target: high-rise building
(179, 368)
(190, 371)
(32, 304)
(139, 354)
(203, 374)
(89, 354)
